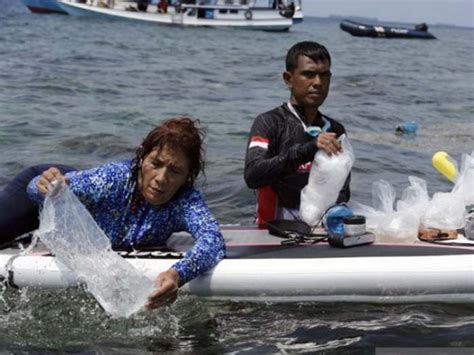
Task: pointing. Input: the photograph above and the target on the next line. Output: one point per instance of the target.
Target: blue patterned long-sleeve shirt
(107, 194)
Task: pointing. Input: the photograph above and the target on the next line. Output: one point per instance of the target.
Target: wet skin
(162, 173)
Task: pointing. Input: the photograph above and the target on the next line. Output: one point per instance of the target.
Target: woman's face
(162, 173)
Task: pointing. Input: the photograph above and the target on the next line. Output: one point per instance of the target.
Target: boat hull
(259, 19)
(44, 6)
(257, 268)
(363, 30)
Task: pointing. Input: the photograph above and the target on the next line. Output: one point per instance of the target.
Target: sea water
(85, 92)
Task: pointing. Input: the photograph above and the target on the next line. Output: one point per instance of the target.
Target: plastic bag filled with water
(465, 182)
(73, 236)
(395, 224)
(447, 210)
(326, 179)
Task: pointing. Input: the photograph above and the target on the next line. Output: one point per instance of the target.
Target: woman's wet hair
(183, 134)
(317, 52)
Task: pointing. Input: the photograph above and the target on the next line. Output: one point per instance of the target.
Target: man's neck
(311, 115)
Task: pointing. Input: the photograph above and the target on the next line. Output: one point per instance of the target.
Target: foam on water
(70, 232)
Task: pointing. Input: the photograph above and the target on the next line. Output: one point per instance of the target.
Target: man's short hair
(317, 52)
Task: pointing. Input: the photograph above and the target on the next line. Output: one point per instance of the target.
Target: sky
(453, 12)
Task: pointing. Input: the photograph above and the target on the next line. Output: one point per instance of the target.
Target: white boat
(270, 15)
(259, 268)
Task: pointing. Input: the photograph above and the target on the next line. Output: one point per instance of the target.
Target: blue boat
(362, 30)
(43, 6)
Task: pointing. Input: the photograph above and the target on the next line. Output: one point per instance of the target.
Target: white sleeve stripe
(258, 144)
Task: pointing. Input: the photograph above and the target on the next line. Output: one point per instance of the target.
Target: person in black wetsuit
(284, 141)
(142, 5)
(18, 214)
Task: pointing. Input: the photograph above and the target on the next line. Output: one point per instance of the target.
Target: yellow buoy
(445, 165)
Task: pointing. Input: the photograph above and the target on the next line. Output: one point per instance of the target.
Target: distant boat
(44, 6)
(270, 15)
(362, 30)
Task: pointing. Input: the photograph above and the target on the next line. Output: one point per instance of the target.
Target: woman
(140, 203)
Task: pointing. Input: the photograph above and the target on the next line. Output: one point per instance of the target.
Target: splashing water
(70, 232)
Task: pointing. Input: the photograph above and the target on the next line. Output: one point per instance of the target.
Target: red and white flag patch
(258, 141)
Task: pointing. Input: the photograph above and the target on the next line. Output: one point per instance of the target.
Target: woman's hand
(47, 177)
(327, 141)
(167, 291)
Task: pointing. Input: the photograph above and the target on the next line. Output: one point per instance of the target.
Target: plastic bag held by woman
(70, 232)
(326, 179)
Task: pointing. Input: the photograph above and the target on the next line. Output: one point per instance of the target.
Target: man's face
(309, 82)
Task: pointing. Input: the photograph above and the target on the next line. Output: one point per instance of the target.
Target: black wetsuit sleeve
(263, 162)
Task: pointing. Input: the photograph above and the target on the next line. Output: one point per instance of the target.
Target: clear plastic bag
(73, 236)
(415, 197)
(326, 179)
(395, 224)
(447, 210)
(465, 182)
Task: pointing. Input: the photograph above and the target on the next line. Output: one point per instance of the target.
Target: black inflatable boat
(362, 30)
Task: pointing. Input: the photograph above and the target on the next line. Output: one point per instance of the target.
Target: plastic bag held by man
(326, 179)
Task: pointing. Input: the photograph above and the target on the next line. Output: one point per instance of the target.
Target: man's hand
(167, 291)
(327, 141)
(47, 177)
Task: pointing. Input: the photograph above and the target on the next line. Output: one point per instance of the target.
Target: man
(284, 141)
